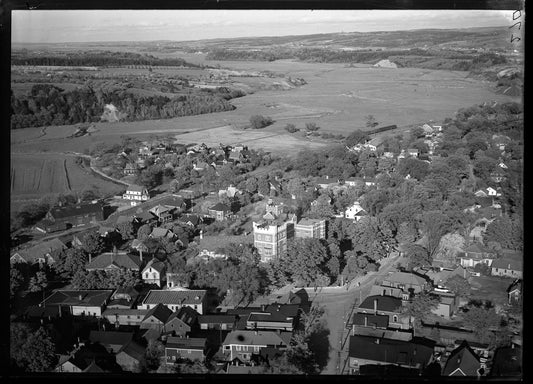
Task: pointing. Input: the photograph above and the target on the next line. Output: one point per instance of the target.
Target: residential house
(201, 165)
(428, 130)
(388, 291)
(355, 212)
(220, 212)
(325, 182)
(123, 298)
(174, 300)
(498, 176)
(270, 237)
(406, 281)
(174, 201)
(310, 228)
(131, 169)
(449, 338)
(110, 261)
(154, 272)
(375, 331)
(281, 317)
(463, 361)
(113, 341)
(242, 344)
(122, 316)
(413, 152)
(367, 350)
(514, 292)
(78, 302)
(178, 348)
(448, 303)
(370, 320)
(190, 220)
(385, 305)
(156, 318)
(219, 322)
(136, 194)
(92, 358)
(229, 192)
(369, 181)
(130, 356)
(145, 151)
(440, 277)
(76, 215)
(353, 181)
(182, 321)
(164, 213)
(44, 253)
(477, 253)
(507, 267)
(177, 280)
(160, 233)
(145, 217)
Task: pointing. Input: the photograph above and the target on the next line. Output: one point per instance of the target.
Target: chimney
(80, 297)
(255, 331)
(366, 321)
(201, 234)
(376, 305)
(377, 341)
(262, 307)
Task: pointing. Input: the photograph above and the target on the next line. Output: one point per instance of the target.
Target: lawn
(491, 288)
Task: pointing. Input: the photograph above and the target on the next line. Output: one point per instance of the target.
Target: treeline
(97, 59)
(416, 57)
(50, 105)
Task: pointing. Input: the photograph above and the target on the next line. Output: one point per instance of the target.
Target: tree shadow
(318, 343)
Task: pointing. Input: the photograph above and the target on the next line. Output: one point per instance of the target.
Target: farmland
(36, 175)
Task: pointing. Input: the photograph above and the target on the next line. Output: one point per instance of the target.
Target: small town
(387, 250)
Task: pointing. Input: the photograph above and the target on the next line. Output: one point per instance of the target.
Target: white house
(136, 194)
(355, 212)
(154, 272)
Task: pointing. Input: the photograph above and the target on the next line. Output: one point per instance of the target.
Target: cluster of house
(203, 156)
(382, 338)
(183, 320)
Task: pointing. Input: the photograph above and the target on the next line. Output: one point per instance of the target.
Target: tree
(16, 281)
(322, 208)
(435, 224)
(175, 185)
(371, 121)
(152, 356)
(251, 184)
(311, 127)
(71, 261)
(417, 169)
(418, 256)
(458, 285)
(481, 320)
(93, 243)
(506, 231)
(299, 354)
(259, 121)
(291, 128)
(144, 231)
(449, 246)
(356, 137)
(191, 367)
(31, 351)
(306, 260)
(38, 282)
(419, 307)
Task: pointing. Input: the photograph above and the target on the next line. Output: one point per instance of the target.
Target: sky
(40, 26)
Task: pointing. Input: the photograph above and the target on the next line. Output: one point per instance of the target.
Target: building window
(395, 318)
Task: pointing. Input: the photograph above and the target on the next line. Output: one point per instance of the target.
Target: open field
(36, 175)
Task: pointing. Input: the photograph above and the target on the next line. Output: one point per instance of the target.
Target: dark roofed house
(174, 300)
(156, 318)
(164, 213)
(178, 348)
(109, 261)
(219, 211)
(370, 320)
(175, 201)
(79, 302)
(366, 350)
(146, 217)
(130, 357)
(385, 305)
(507, 362)
(123, 298)
(463, 361)
(507, 267)
(111, 340)
(76, 215)
(182, 321)
(218, 321)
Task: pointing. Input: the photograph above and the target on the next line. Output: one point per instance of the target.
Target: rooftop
(76, 210)
(110, 337)
(384, 303)
(118, 260)
(242, 337)
(175, 297)
(186, 343)
(79, 297)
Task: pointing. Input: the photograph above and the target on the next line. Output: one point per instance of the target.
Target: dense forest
(47, 104)
(95, 58)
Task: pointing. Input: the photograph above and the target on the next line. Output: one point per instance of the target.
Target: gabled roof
(175, 297)
(197, 343)
(220, 207)
(384, 303)
(463, 361)
(133, 350)
(289, 310)
(172, 201)
(216, 319)
(161, 232)
(136, 188)
(185, 314)
(390, 351)
(93, 368)
(507, 361)
(511, 264)
(110, 337)
(159, 266)
(76, 210)
(145, 216)
(91, 298)
(405, 278)
(515, 285)
(30, 255)
(242, 337)
(125, 312)
(119, 260)
(160, 312)
(159, 209)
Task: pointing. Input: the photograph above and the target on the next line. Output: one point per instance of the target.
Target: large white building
(270, 237)
(136, 194)
(310, 228)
